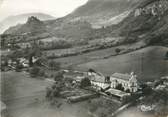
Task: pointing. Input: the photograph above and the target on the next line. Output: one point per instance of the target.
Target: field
(25, 97)
(148, 63)
(94, 55)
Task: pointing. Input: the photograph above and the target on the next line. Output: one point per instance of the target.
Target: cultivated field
(95, 55)
(148, 63)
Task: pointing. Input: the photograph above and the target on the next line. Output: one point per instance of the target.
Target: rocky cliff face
(154, 8)
(21, 19)
(147, 22)
(32, 25)
(97, 12)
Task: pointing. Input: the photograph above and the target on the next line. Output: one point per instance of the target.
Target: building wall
(127, 84)
(99, 84)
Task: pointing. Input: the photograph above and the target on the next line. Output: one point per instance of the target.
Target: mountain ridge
(21, 19)
(144, 22)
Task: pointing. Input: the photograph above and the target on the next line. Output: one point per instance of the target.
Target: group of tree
(85, 82)
(61, 44)
(54, 65)
(36, 71)
(117, 50)
(54, 91)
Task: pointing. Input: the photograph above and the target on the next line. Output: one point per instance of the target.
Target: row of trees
(61, 44)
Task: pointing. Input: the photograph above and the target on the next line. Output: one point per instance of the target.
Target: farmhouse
(74, 75)
(126, 81)
(98, 79)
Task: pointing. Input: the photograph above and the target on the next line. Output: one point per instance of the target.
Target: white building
(128, 81)
(99, 80)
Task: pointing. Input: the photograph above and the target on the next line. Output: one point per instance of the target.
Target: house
(74, 75)
(24, 62)
(162, 84)
(98, 79)
(127, 81)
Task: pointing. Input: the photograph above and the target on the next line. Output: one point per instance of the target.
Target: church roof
(121, 76)
(99, 79)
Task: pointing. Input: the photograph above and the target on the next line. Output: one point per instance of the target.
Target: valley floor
(25, 97)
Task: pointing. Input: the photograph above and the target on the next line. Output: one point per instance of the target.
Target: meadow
(148, 63)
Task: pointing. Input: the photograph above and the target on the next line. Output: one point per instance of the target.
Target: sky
(56, 8)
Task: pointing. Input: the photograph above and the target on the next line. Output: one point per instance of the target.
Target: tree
(54, 65)
(117, 50)
(58, 76)
(54, 91)
(120, 87)
(166, 56)
(34, 51)
(34, 71)
(85, 82)
(147, 91)
(48, 92)
(19, 67)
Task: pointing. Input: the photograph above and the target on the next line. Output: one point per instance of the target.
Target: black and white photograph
(84, 58)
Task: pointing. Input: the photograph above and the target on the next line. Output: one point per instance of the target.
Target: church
(128, 82)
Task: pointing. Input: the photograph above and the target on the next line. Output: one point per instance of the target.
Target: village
(74, 86)
(100, 58)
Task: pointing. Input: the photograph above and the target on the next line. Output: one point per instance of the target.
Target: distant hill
(133, 20)
(32, 25)
(94, 14)
(20, 19)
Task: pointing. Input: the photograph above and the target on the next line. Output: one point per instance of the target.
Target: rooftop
(73, 74)
(98, 78)
(117, 92)
(121, 76)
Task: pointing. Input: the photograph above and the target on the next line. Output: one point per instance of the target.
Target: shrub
(54, 91)
(117, 50)
(166, 55)
(58, 76)
(103, 114)
(41, 72)
(19, 67)
(85, 82)
(34, 72)
(48, 92)
(147, 91)
(54, 65)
